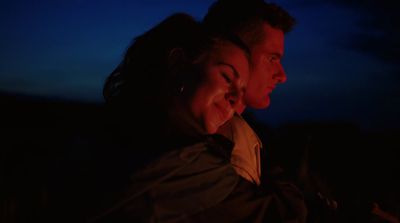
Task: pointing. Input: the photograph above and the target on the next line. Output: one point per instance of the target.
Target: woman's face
(224, 72)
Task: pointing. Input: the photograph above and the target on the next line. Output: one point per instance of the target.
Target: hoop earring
(182, 88)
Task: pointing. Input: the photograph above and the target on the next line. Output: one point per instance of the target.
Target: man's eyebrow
(237, 75)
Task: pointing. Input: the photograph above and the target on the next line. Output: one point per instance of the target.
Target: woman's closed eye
(227, 78)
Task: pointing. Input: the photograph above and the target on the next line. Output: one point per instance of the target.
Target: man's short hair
(244, 18)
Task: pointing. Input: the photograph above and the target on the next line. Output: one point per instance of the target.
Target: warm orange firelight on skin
(266, 70)
(383, 214)
(225, 71)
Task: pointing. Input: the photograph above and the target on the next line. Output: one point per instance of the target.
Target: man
(261, 26)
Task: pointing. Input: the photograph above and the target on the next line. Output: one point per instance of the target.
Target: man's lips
(270, 89)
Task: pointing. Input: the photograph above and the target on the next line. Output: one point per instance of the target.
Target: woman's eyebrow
(237, 75)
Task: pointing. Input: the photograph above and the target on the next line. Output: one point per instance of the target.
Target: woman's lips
(224, 113)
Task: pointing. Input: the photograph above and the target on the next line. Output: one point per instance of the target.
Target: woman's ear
(177, 63)
(176, 60)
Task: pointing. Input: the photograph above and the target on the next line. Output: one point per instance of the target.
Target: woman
(187, 83)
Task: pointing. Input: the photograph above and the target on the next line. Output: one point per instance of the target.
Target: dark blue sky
(342, 59)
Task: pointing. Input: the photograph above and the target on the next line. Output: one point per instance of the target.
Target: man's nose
(280, 75)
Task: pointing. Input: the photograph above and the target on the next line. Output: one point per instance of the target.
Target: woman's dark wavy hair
(143, 73)
(144, 76)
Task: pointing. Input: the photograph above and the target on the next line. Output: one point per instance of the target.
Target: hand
(383, 214)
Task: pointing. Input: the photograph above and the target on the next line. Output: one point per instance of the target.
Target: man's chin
(267, 103)
(261, 104)
(258, 103)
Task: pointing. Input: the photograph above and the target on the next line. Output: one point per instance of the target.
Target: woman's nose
(235, 98)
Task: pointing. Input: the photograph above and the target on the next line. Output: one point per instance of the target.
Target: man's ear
(176, 60)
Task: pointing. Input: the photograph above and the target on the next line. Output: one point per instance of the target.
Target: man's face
(224, 72)
(265, 69)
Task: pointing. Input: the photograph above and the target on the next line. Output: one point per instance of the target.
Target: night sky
(342, 58)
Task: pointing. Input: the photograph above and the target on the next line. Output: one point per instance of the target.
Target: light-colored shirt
(245, 157)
